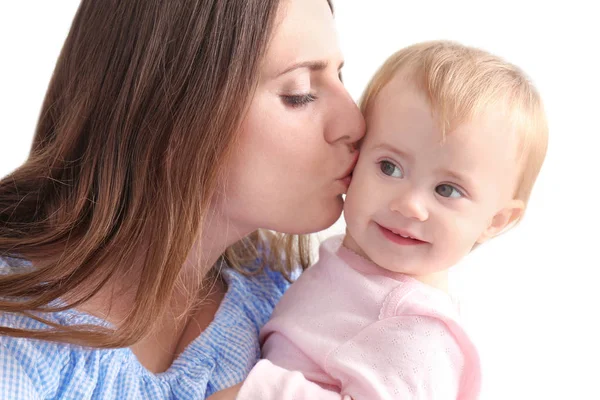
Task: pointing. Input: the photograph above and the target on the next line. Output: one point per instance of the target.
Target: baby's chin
(414, 265)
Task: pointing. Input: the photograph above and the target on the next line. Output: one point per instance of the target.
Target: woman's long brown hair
(141, 113)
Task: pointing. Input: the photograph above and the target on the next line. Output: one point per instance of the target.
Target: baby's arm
(226, 394)
(287, 373)
(402, 357)
(268, 381)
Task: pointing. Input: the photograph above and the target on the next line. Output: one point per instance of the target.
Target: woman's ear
(504, 219)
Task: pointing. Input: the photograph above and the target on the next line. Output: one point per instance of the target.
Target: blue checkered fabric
(220, 357)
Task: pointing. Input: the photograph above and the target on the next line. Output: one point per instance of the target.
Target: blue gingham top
(220, 357)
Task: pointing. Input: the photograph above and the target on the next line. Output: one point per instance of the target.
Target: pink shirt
(350, 329)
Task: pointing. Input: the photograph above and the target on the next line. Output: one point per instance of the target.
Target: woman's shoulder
(260, 291)
(36, 369)
(31, 368)
(220, 357)
(9, 265)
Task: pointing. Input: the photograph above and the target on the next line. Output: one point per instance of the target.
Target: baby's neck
(438, 280)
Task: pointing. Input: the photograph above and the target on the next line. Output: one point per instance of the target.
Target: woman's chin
(308, 220)
(320, 221)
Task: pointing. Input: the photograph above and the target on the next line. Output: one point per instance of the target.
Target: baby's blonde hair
(462, 83)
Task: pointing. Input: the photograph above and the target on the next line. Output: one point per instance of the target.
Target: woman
(172, 131)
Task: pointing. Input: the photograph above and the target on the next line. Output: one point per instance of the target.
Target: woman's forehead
(304, 32)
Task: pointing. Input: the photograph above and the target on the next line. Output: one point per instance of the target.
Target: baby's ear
(504, 219)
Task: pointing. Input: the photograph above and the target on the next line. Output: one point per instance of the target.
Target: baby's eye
(390, 169)
(449, 191)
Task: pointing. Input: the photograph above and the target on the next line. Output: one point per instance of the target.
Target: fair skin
(444, 196)
(294, 151)
(418, 204)
(297, 146)
(297, 142)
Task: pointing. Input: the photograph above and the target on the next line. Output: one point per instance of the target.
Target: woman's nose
(346, 123)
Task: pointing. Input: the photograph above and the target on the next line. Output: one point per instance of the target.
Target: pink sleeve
(415, 350)
(402, 357)
(267, 381)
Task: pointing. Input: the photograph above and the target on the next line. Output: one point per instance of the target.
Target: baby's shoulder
(410, 297)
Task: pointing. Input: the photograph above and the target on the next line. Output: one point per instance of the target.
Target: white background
(529, 297)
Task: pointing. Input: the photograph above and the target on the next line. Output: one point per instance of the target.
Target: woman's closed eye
(298, 100)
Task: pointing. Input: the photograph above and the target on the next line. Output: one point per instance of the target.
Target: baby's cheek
(467, 239)
(349, 212)
(456, 240)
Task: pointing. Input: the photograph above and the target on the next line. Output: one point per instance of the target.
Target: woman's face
(296, 146)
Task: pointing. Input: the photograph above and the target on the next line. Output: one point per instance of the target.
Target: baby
(455, 140)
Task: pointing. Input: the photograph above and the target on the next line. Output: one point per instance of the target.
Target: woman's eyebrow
(317, 65)
(312, 65)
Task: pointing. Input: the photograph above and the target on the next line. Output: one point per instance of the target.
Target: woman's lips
(348, 173)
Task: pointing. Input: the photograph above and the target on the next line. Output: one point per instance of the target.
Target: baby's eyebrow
(398, 152)
(458, 176)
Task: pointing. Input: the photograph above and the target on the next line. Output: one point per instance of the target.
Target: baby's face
(418, 204)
